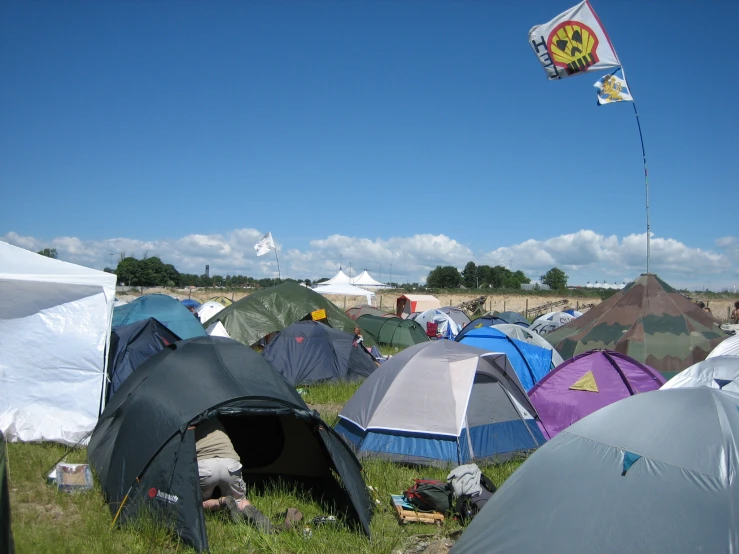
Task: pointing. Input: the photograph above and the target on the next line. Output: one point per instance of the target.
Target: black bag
(469, 506)
(430, 495)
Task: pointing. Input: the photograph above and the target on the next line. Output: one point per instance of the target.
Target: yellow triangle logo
(586, 382)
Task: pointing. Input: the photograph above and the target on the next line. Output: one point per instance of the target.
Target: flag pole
(278, 264)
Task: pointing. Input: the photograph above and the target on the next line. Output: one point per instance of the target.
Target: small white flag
(265, 245)
(612, 88)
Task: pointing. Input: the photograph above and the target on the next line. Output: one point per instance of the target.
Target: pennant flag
(573, 42)
(586, 383)
(613, 88)
(265, 245)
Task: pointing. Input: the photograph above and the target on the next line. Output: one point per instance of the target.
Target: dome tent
(651, 473)
(458, 315)
(468, 405)
(309, 352)
(551, 321)
(446, 326)
(512, 317)
(718, 372)
(484, 321)
(143, 448)
(208, 309)
(727, 347)
(392, 331)
(165, 309)
(522, 333)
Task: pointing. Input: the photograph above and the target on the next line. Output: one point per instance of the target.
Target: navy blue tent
(309, 352)
(165, 309)
(131, 345)
(484, 321)
(190, 303)
(530, 362)
(513, 318)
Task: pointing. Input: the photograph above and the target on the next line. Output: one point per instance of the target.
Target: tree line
(484, 276)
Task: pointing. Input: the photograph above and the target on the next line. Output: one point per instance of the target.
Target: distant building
(535, 286)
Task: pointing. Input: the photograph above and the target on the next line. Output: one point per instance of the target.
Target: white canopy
(340, 278)
(54, 334)
(345, 290)
(365, 280)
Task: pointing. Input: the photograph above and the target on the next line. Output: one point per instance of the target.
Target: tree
(469, 276)
(48, 252)
(447, 277)
(555, 278)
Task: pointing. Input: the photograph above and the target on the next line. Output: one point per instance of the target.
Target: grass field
(45, 520)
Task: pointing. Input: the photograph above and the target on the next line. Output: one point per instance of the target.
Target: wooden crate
(411, 516)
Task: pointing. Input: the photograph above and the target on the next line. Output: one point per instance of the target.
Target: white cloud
(584, 256)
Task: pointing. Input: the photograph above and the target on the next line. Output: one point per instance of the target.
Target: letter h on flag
(265, 245)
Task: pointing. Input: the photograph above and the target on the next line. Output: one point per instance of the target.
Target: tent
(131, 345)
(217, 330)
(143, 448)
(529, 361)
(551, 321)
(651, 473)
(391, 331)
(727, 347)
(6, 534)
(272, 309)
(512, 317)
(458, 315)
(365, 280)
(340, 278)
(587, 383)
(190, 303)
(441, 402)
(223, 300)
(718, 372)
(647, 320)
(344, 289)
(208, 310)
(446, 327)
(54, 333)
(522, 333)
(165, 309)
(484, 321)
(409, 303)
(365, 309)
(309, 352)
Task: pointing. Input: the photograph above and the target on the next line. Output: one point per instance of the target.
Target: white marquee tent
(54, 332)
(365, 280)
(345, 289)
(340, 278)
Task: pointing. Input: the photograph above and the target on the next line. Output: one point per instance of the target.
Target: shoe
(257, 518)
(232, 506)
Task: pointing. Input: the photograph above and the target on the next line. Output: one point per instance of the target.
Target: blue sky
(373, 132)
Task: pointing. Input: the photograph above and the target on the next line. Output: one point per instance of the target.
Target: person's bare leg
(212, 504)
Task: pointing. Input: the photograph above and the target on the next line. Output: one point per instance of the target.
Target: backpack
(469, 506)
(430, 495)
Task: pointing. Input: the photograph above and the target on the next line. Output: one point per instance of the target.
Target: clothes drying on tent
(131, 345)
(54, 325)
(530, 362)
(143, 448)
(484, 321)
(165, 309)
(392, 331)
(209, 309)
(522, 333)
(718, 372)
(587, 383)
(308, 352)
(446, 328)
(512, 317)
(190, 303)
(727, 347)
(457, 315)
(441, 402)
(651, 473)
(551, 321)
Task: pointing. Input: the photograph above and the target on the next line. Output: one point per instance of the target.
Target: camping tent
(344, 289)
(165, 309)
(446, 327)
(208, 310)
(409, 303)
(651, 473)
(54, 333)
(587, 383)
(727, 347)
(190, 303)
(223, 300)
(309, 352)
(484, 321)
(718, 372)
(365, 309)
(272, 309)
(365, 280)
(441, 402)
(647, 320)
(529, 361)
(391, 331)
(340, 278)
(143, 448)
(512, 317)
(458, 315)
(522, 333)
(551, 321)
(217, 330)
(131, 345)
(6, 534)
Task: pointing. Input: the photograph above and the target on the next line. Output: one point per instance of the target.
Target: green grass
(45, 520)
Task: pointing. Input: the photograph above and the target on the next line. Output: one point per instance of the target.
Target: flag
(265, 245)
(613, 88)
(573, 42)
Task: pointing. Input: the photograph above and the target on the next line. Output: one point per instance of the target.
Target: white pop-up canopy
(364, 279)
(340, 278)
(54, 333)
(345, 290)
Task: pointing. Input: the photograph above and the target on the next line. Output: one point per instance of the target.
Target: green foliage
(149, 272)
(447, 277)
(470, 276)
(49, 253)
(555, 278)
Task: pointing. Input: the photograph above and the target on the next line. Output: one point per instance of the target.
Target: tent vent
(586, 382)
(629, 459)
(722, 382)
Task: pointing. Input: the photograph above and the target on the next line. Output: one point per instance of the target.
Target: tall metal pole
(646, 180)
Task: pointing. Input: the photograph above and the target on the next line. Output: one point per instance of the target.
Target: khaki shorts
(223, 473)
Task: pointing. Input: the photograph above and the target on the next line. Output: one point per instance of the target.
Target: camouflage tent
(647, 320)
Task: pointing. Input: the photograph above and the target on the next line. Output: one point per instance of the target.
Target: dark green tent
(391, 331)
(6, 535)
(263, 312)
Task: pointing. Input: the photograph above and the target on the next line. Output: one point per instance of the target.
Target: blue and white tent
(441, 402)
(530, 362)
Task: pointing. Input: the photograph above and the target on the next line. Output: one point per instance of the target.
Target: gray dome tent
(143, 448)
(655, 472)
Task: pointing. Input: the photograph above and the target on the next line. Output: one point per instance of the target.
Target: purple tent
(586, 383)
